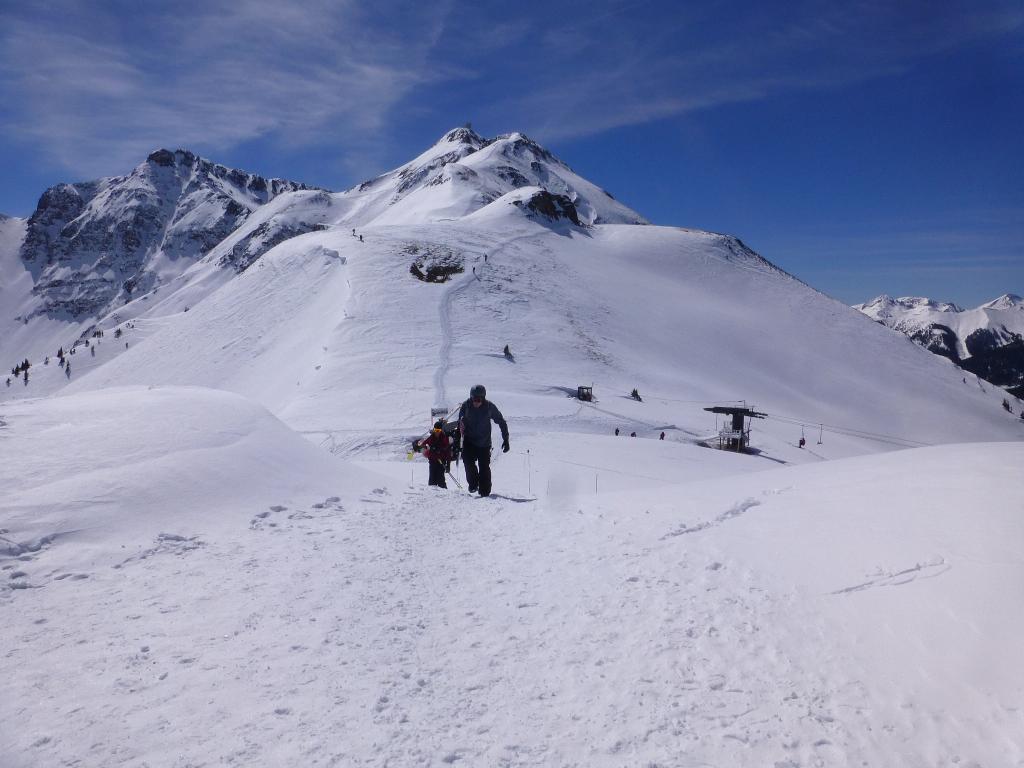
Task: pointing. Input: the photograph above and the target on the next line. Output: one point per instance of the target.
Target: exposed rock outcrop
(95, 244)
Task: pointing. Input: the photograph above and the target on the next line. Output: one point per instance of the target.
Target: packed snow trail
(445, 315)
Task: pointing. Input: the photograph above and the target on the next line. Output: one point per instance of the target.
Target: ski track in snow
(734, 511)
(927, 570)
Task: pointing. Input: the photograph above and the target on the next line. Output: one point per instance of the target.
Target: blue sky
(866, 147)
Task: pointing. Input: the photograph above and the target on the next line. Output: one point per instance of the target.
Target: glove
(504, 447)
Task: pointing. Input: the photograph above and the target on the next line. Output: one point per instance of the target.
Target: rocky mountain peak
(161, 157)
(1006, 301)
(463, 135)
(95, 244)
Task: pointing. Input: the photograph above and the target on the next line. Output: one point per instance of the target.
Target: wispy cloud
(635, 62)
(93, 86)
(97, 91)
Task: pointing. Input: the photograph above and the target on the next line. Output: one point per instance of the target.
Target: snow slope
(105, 251)
(861, 611)
(338, 339)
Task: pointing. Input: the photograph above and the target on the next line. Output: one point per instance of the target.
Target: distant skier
(662, 436)
(632, 434)
(508, 353)
(635, 395)
(360, 238)
(67, 370)
(353, 231)
(437, 449)
(803, 442)
(475, 417)
(616, 431)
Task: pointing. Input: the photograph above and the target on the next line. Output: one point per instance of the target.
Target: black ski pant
(478, 467)
(437, 474)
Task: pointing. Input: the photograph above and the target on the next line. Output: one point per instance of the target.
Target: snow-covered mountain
(92, 245)
(987, 340)
(463, 172)
(459, 175)
(209, 526)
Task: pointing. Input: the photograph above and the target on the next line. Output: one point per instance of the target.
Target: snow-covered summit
(462, 172)
(1006, 301)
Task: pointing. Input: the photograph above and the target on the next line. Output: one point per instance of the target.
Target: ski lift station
(735, 435)
(585, 393)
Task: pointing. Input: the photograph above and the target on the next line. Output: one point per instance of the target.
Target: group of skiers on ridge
(472, 439)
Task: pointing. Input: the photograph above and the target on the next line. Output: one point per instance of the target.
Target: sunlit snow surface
(215, 551)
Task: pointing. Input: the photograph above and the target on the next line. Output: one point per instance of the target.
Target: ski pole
(449, 473)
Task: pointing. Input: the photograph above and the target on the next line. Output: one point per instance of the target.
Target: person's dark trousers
(437, 474)
(478, 468)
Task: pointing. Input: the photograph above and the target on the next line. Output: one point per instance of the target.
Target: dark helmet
(478, 390)
(438, 424)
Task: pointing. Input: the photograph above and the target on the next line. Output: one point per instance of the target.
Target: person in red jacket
(438, 450)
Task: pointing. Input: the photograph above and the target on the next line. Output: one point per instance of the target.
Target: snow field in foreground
(273, 605)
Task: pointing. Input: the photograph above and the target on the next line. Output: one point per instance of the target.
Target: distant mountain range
(987, 340)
